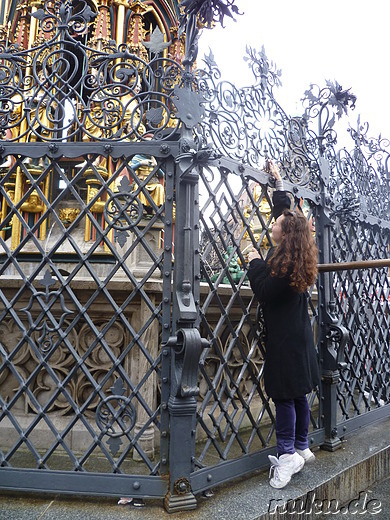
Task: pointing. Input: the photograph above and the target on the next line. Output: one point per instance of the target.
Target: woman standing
(291, 369)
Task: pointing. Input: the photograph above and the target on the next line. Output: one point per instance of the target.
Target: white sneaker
(307, 454)
(284, 468)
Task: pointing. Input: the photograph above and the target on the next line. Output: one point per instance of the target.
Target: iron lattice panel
(363, 303)
(81, 312)
(235, 416)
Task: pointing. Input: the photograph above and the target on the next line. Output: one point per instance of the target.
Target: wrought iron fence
(131, 192)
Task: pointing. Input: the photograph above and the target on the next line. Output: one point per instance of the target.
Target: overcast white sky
(311, 41)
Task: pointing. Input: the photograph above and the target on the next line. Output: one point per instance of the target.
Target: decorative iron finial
(203, 12)
(264, 69)
(209, 11)
(61, 15)
(332, 96)
(156, 43)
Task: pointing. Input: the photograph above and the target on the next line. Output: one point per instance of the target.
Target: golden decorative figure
(68, 216)
(95, 113)
(96, 209)
(33, 204)
(10, 189)
(143, 165)
(254, 223)
(17, 104)
(99, 204)
(15, 107)
(132, 114)
(32, 209)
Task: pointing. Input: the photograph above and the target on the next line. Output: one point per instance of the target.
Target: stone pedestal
(144, 378)
(140, 260)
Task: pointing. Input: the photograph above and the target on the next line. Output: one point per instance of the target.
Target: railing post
(325, 105)
(185, 342)
(327, 320)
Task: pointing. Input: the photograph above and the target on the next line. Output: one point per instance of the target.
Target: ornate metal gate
(131, 192)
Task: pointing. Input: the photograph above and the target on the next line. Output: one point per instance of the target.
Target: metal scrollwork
(300, 160)
(358, 184)
(66, 90)
(328, 103)
(59, 15)
(123, 211)
(246, 124)
(116, 410)
(46, 300)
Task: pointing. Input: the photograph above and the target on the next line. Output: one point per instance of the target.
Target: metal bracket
(337, 334)
(187, 346)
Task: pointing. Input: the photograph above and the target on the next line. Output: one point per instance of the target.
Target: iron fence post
(185, 342)
(327, 320)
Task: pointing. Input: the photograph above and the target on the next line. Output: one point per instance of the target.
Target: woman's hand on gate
(252, 255)
(273, 169)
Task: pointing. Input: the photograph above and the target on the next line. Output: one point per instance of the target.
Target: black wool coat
(291, 366)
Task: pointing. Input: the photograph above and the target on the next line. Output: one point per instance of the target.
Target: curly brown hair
(296, 256)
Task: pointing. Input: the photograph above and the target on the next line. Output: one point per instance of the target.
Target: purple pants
(292, 424)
